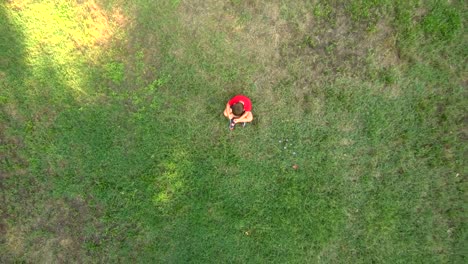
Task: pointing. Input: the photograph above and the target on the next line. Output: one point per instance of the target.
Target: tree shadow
(12, 51)
(12, 70)
(24, 104)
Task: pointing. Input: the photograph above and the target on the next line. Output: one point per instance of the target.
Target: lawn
(114, 149)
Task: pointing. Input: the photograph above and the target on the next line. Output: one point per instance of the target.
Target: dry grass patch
(295, 52)
(56, 234)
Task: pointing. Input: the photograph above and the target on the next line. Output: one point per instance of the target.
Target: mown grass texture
(114, 146)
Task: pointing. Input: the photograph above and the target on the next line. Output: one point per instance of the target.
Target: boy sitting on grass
(238, 110)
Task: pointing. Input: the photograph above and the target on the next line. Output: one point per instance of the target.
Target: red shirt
(243, 99)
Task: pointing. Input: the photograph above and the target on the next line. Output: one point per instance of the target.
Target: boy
(238, 110)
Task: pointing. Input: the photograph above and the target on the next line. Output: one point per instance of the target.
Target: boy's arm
(228, 112)
(246, 117)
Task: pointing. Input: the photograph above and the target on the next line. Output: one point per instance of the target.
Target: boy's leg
(231, 124)
(249, 119)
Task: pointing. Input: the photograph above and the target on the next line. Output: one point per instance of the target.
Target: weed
(115, 72)
(442, 22)
(322, 10)
(310, 42)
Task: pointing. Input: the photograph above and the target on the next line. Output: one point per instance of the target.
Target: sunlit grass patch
(171, 183)
(62, 38)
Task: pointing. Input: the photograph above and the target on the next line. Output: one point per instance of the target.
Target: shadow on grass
(12, 70)
(12, 52)
(12, 165)
(28, 214)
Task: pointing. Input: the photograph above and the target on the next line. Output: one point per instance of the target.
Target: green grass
(114, 147)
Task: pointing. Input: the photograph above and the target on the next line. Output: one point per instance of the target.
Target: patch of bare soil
(65, 221)
(305, 47)
(101, 25)
(9, 155)
(44, 230)
(55, 234)
(11, 164)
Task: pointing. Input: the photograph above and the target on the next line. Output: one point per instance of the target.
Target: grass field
(114, 149)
